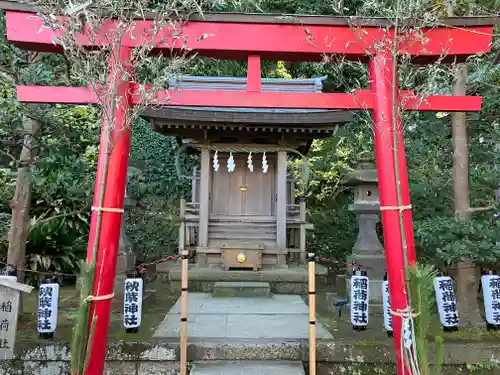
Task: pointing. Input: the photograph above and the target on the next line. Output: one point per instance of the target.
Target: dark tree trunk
(466, 271)
(20, 204)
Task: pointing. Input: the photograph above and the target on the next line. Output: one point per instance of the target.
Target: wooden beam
(236, 40)
(361, 99)
(205, 180)
(281, 201)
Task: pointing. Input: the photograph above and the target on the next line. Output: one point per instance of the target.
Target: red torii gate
(237, 36)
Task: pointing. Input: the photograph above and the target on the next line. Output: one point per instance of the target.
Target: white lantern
(446, 302)
(360, 293)
(48, 308)
(491, 297)
(386, 304)
(132, 303)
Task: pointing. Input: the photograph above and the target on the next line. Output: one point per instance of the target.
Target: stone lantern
(367, 251)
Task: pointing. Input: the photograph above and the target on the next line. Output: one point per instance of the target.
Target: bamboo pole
(184, 313)
(312, 313)
(302, 231)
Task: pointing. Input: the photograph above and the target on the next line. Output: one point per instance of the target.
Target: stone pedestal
(367, 252)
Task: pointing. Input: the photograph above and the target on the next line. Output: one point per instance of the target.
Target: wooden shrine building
(244, 212)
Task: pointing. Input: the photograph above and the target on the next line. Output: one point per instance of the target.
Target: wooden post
(10, 291)
(302, 233)
(204, 198)
(312, 313)
(182, 227)
(184, 314)
(194, 186)
(281, 203)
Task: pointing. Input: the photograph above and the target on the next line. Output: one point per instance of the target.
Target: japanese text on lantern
(386, 303)
(446, 301)
(132, 303)
(48, 299)
(359, 300)
(491, 295)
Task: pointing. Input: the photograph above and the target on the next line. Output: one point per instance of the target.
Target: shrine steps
(250, 230)
(291, 280)
(248, 368)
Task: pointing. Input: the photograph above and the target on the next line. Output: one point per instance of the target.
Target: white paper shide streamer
(446, 301)
(216, 161)
(132, 303)
(249, 162)
(48, 306)
(359, 301)
(230, 163)
(491, 296)
(386, 304)
(265, 166)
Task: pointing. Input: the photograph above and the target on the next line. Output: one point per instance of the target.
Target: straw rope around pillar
(184, 313)
(311, 257)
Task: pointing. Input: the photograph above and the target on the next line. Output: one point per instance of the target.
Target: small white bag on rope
(446, 302)
(360, 295)
(132, 304)
(386, 304)
(48, 308)
(491, 297)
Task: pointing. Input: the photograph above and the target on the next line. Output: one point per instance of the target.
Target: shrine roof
(27, 6)
(177, 116)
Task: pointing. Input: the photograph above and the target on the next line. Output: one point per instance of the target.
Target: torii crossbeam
(239, 36)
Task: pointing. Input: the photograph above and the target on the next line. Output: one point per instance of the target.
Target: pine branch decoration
(79, 352)
(423, 301)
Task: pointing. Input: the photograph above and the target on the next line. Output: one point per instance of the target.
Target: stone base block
(241, 289)
(248, 368)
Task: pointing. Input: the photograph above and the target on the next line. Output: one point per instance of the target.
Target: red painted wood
(110, 181)
(56, 94)
(380, 70)
(273, 41)
(254, 78)
(362, 99)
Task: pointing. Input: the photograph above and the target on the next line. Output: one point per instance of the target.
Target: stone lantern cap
(364, 182)
(365, 174)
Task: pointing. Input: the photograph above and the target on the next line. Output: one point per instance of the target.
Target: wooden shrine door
(242, 192)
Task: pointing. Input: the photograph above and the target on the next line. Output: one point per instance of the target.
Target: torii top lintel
(256, 37)
(301, 38)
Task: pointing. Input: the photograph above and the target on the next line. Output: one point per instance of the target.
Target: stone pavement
(248, 368)
(281, 317)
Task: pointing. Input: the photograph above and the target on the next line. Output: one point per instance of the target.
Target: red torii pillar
(389, 137)
(107, 209)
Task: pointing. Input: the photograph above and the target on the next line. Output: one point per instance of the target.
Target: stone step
(241, 289)
(248, 368)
